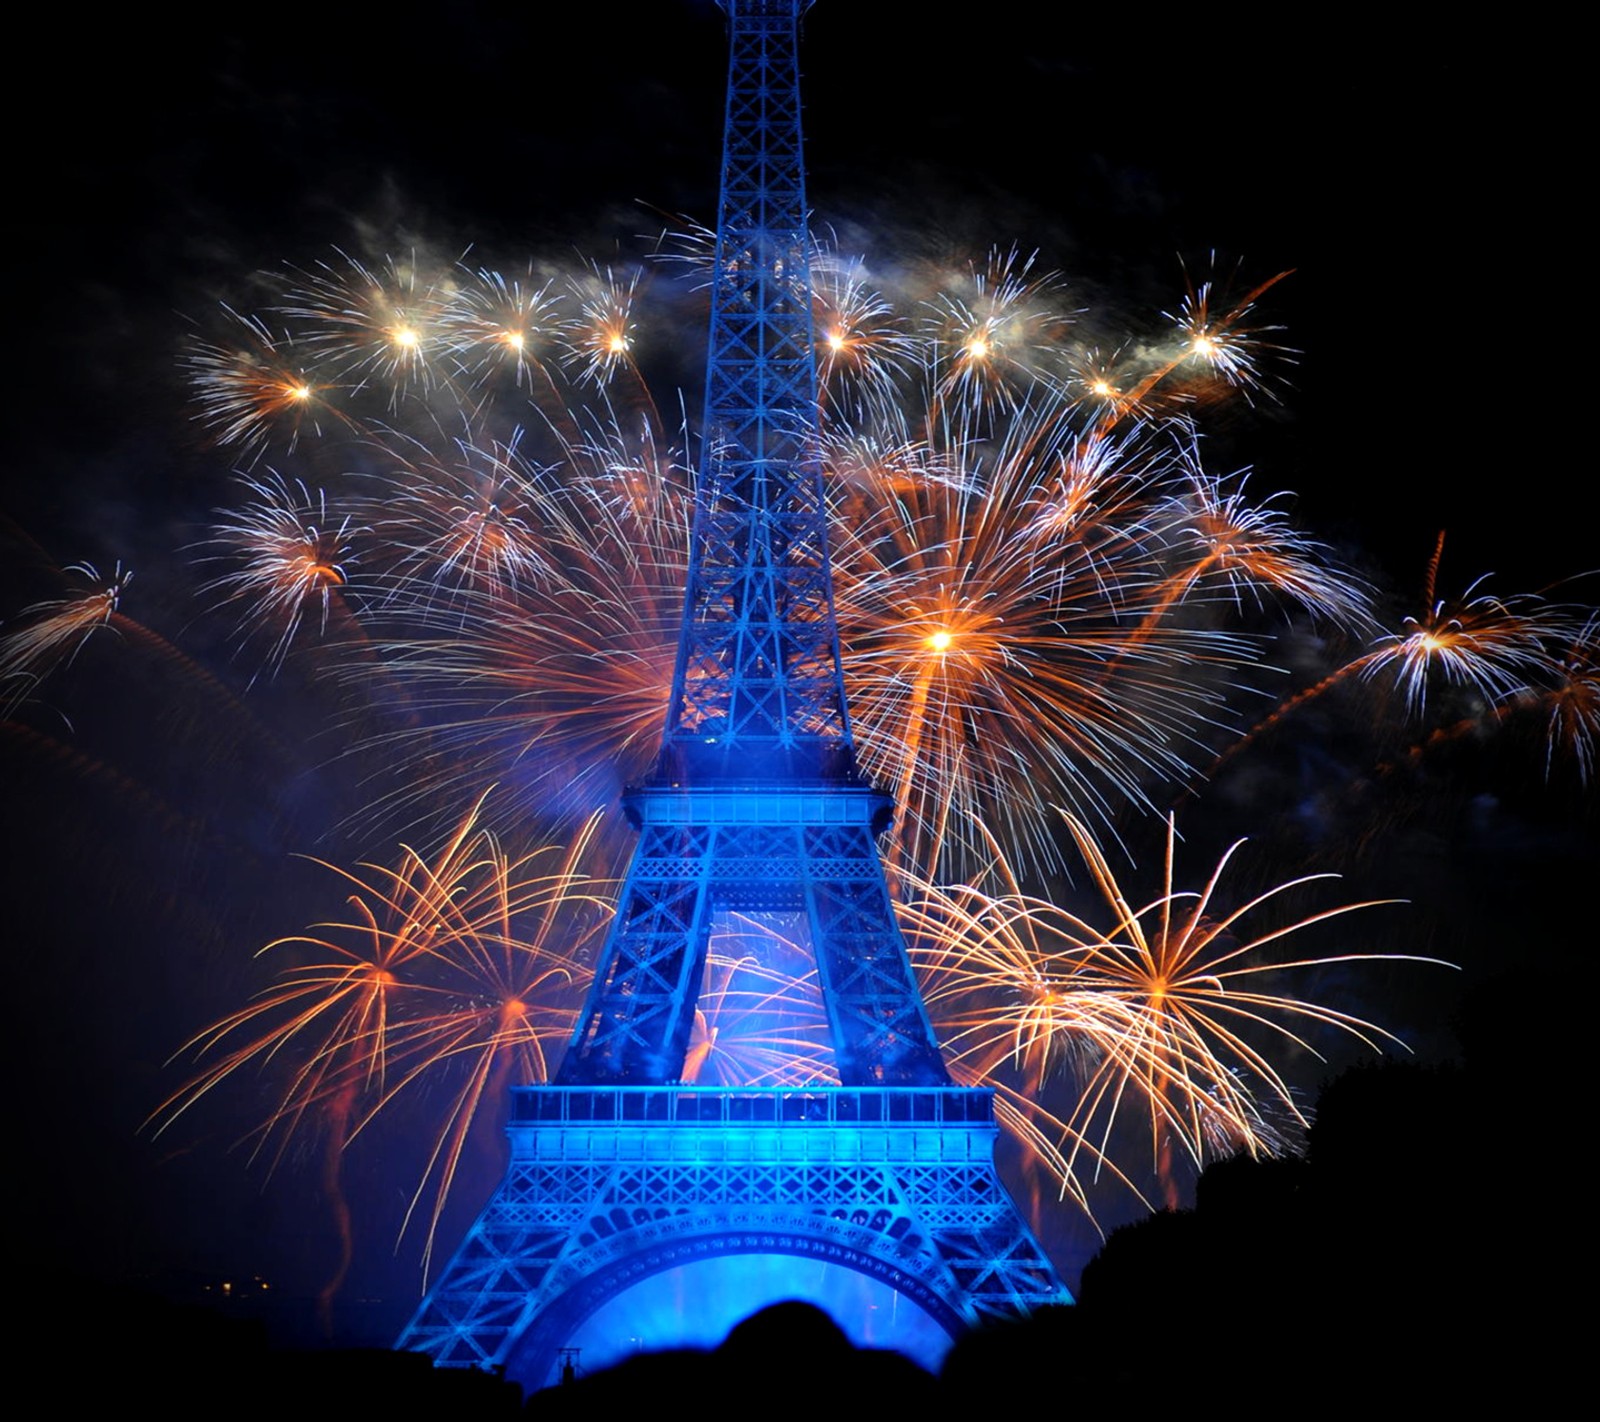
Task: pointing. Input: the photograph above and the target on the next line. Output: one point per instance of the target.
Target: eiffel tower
(622, 1179)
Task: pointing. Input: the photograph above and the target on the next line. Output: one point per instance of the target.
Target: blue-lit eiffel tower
(619, 1173)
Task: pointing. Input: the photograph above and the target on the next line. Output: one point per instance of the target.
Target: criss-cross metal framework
(758, 669)
(618, 1171)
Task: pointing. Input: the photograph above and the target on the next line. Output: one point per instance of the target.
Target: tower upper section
(757, 693)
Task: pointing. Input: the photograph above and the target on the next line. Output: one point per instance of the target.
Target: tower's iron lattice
(755, 807)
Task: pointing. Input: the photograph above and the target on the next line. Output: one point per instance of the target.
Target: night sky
(1404, 172)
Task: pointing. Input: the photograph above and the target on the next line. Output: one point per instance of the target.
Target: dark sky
(1413, 176)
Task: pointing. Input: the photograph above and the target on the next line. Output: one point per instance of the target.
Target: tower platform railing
(789, 1106)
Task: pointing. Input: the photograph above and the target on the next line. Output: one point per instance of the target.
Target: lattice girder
(758, 658)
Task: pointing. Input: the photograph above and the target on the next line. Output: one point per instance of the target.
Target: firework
(1488, 645)
(1222, 335)
(454, 971)
(759, 1020)
(863, 348)
(387, 327)
(1218, 350)
(54, 632)
(252, 389)
(1017, 579)
(1502, 652)
(497, 323)
(462, 520)
(1166, 1013)
(604, 332)
(553, 672)
(1241, 550)
(1010, 639)
(1571, 702)
(994, 335)
(289, 558)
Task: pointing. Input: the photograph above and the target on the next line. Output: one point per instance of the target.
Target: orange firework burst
(1167, 1012)
(458, 968)
(1241, 550)
(253, 390)
(1504, 653)
(1007, 641)
(1488, 645)
(1571, 702)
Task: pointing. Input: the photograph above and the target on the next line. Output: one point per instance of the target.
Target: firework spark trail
(864, 351)
(55, 631)
(1246, 550)
(497, 323)
(1563, 696)
(1487, 645)
(605, 334)
(1227, 342)
(1503, 652)
(1570, 704)
(252, 388)
(387, 328)
(465, 519)
(1216, 354)
(1163, 1014)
